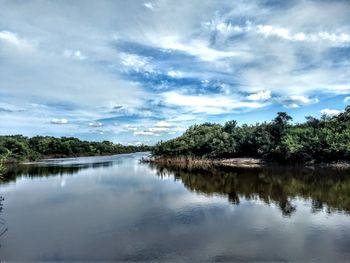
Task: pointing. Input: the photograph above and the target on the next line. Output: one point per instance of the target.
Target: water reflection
(56, 167)
(3, 228)
(116, 209)
(328, 189)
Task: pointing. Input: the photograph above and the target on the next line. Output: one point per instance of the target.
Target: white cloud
(75, 54)
(95, 124)
(148, 5)
(136, 62)
(330, 112)
(208, 104)
(155, 129)
(262, 95)
(287, 52)
(133, 60)
(341, 38)
(51, 78)
(144, 133)
(184, 117)
(268, 30)
(336, 38)
(14, 40)
(59, 121)
(295, 101)
(131, 127)
(227, 28)
(163, 124)
(223, 27)
(201, 49)
(300, 36)
(284, 33)
(302, 99)
(175, 74)
(158, 129)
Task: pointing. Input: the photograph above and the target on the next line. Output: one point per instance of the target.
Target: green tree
(324, 140)
(3, 158)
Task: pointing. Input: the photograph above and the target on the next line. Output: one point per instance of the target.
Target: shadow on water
(52, 168)
(327, 189)
(3, 227)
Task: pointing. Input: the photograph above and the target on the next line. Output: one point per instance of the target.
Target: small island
(324, 141)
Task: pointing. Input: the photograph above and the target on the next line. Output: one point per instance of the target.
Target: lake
(115, 208)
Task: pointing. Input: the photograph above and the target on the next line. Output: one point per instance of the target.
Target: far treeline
(321, 140)
(21, 148)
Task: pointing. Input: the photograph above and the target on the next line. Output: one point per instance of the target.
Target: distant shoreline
(21, 149)
(57, 157)
(54, 158)
(234, 162)
(245, 162)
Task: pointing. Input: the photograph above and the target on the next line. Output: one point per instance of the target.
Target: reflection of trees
(47, 170)
(3, 227)
(325, 187)
(36, 171)
(1, 205)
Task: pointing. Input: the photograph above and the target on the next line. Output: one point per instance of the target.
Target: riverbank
(187, 161)
(58, 157)
(234, 162)
(48, 157)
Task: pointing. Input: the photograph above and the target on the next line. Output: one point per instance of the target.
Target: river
(115, 208)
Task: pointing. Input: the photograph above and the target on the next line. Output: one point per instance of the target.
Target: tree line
(20, 148)
(323, 140)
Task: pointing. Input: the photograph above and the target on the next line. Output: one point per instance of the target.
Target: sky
(143, 71)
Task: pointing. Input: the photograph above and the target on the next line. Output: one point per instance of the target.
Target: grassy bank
(204, 162)
(192, 162)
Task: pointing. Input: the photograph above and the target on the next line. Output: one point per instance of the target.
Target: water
(114, 208)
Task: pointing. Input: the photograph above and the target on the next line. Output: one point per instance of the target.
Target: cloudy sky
(141, 71)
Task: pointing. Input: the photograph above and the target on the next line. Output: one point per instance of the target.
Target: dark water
(113, 208)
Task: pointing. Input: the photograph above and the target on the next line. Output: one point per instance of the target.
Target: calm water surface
(114, 208)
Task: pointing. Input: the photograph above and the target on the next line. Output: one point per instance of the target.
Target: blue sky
(143, 71)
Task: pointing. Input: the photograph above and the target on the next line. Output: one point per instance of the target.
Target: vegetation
(3, 157)
(20, 148)
(2, 167)
(323, 140)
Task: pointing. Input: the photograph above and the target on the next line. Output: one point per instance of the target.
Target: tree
(282, 118)
(3, 158)
(325, 140)
(279, 125)
(312, 122)
(23, 148)
(230, 126)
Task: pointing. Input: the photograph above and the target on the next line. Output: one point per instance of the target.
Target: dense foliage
(2, 166)
(18, 147)
(324, 140)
